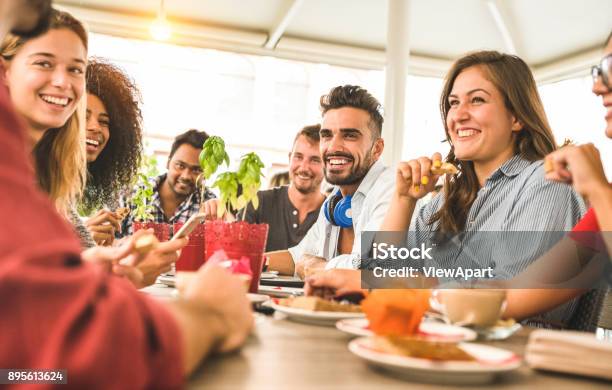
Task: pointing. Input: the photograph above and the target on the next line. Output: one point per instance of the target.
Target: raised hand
(414, 178)
(578, 165)
(102, 227)
(210, 209)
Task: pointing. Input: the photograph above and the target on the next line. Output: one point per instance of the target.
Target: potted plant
(237, 190)
(141, 199)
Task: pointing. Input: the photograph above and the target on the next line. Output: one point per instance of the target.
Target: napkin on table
(241, 266)
(569, 352)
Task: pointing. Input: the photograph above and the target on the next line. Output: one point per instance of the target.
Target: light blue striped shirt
(517, 198)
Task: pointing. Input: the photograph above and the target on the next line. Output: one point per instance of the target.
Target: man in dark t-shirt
(291, 210)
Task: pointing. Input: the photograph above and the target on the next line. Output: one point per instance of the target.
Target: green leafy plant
(144, 189)
(248, 176)
(212, 155)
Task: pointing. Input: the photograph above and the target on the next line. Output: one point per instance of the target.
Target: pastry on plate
(319, 304)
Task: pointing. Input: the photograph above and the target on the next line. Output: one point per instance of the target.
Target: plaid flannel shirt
(190, 206)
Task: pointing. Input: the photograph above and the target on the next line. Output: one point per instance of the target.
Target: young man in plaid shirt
(176, 197)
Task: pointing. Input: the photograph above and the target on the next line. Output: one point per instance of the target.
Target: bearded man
(350, 146)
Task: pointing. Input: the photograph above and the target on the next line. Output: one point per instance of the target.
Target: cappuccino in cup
(478, 307)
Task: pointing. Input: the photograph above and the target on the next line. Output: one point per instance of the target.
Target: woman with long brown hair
(499, 134)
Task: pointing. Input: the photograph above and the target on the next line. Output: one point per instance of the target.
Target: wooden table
(289, 355)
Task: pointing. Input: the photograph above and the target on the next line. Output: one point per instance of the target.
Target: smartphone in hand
(190, 225)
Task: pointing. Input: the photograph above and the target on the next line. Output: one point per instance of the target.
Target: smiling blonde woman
(46, 80)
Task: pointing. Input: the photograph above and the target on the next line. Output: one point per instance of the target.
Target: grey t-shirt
(276, 210)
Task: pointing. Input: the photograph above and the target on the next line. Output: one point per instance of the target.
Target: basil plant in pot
(141, 200)
(236, 190)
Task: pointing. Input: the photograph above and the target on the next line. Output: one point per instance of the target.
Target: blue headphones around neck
(337, 210)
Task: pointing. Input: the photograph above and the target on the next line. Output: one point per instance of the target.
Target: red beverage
(238, 239)
(161, 230)
(192, 255)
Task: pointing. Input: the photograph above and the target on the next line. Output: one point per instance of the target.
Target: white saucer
(432, 331)
(325, 318)
(498, 332)
(490, 362)
(257, 299)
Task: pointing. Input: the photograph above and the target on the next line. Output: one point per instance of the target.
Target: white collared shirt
(368, 205)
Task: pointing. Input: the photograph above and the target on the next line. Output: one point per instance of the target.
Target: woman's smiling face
(46, 79)
(479, 124)
(98, 127)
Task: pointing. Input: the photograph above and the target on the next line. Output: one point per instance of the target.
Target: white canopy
(559, 39)
(555, 37)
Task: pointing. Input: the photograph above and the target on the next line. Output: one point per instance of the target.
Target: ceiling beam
(505, 25)
(283, 22)
(249, 42)
(576, 65)
(136, 26)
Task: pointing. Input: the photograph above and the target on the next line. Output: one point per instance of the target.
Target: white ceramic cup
(477, 307)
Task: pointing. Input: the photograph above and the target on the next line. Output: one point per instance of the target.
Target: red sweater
(60, 313)
(588, 233)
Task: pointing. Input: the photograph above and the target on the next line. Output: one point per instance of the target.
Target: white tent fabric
(554, 36)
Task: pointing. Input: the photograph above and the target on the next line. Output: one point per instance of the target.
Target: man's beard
(356, 174)
(190, 185)
(304, 189)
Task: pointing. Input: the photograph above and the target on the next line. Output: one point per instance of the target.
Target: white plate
(490, 362)
(498, 332)
(257, 298)
(269, 275)
(258, 318)
(432, 331)
(168, 280)
(283, 292)
(326, 318)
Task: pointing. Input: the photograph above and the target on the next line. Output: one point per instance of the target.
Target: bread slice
(415, 347)
(319, 304)
(444, 169)
(122, 212)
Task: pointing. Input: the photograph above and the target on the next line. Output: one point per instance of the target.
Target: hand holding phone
(190, 225)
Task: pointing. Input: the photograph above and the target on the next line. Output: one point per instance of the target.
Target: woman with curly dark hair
(114, 144)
